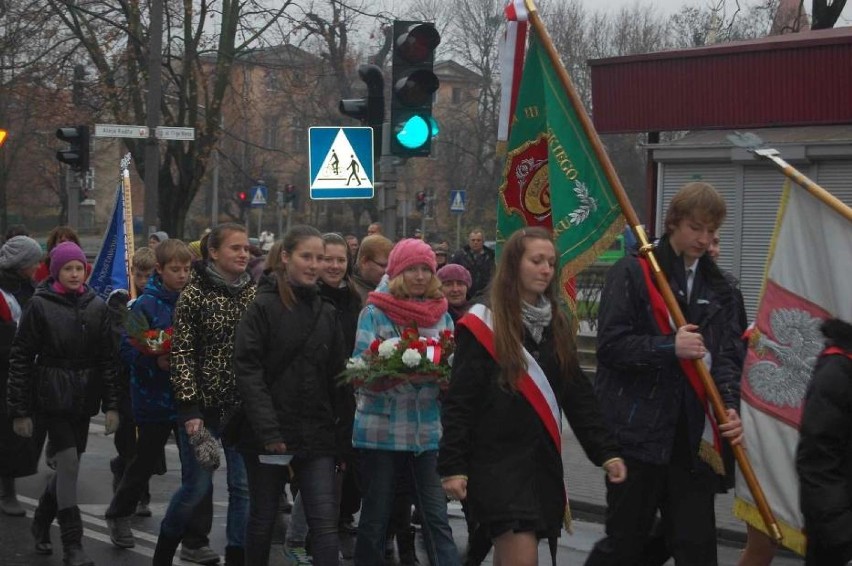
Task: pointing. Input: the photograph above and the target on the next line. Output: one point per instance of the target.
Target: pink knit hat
(408, 252)
(62, 254)
(455, 272)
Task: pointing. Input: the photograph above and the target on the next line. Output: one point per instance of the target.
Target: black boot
(71, 529)
(164, 554)
(235, 556)
(42, 519)
(9, 503)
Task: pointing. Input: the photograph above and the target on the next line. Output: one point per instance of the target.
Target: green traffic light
(414, 133)
(434, 125)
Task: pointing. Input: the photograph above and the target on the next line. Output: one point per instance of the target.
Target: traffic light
(289, 193)
(414, 84)
(3, 134)
(421, 201)
(371, 110)
(242, 199)
(77, 155)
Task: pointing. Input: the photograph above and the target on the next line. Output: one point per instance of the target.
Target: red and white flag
(807, 280)
(511, 63)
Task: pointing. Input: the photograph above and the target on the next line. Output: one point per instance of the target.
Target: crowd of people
(250, 368)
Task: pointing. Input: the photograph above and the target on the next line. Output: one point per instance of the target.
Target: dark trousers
(684, 498)
(318, 488)
(134, 481)
(148, 450)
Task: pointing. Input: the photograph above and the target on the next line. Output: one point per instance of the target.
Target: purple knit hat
(455, 272)
(408, 252)
(62, 254)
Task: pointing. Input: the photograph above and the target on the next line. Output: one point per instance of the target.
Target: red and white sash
(533, 385)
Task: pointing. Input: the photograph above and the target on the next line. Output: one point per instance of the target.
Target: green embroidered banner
(552, 176)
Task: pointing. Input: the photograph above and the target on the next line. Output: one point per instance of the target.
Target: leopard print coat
(202, 371)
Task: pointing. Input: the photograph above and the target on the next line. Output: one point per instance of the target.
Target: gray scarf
(536, 318)
(235, 287)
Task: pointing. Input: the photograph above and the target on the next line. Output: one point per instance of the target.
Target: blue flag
(110, 271)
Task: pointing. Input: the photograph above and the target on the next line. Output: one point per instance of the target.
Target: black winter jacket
(62, 360)
(639, 381)
(824, 454)
(497, 439)
(286, 363)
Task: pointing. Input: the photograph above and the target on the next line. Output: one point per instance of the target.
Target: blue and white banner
(110, 271)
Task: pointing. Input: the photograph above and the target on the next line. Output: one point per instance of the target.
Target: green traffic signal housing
(76, 155)
(413, 87)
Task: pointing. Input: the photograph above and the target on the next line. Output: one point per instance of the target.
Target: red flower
(409, 334)
(374, 346)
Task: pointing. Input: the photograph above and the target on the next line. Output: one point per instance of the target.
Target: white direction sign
(175, 133)
(341, 163)
(120, 131)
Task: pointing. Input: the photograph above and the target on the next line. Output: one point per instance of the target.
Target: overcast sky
(671, 6)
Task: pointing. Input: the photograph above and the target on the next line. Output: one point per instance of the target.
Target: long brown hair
(505, 298)
(295, 236)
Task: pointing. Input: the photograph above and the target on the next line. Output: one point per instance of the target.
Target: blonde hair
(399, 289)
(698, 200)
(144, 259)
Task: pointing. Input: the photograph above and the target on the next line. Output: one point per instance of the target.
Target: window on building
(299, 134)
(270, 133)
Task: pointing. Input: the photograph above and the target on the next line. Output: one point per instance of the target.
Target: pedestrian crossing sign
(457, 199)
(341, 163)
(258, 196)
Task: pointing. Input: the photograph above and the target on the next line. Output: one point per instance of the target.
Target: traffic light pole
(72, 186)
(152, 108)
(388, 176)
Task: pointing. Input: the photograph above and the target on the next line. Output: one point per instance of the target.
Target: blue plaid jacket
(406, 418)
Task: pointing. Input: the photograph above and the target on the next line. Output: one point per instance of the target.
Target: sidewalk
(587, 491)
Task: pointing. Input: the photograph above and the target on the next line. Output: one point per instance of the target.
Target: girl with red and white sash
(515, 373)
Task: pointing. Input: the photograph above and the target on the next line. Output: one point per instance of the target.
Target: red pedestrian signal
(242, 199)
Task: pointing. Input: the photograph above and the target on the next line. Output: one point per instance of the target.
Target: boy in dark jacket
(668, 440)
(824, 455)
(150, 386)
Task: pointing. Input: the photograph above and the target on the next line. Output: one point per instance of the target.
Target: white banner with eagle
(807, 280)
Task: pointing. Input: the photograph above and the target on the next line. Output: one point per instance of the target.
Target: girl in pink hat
(398, 429)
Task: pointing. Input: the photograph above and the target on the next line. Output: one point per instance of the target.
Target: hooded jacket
(62, 360)
(150, 387)
(287, 363)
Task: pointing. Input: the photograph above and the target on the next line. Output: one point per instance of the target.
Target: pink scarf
(405, 311)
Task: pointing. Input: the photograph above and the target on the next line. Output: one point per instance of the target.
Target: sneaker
(142, 509)
(202, 555)
(120, 533)
(296, 556)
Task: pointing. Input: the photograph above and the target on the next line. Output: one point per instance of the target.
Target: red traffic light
(418, 42)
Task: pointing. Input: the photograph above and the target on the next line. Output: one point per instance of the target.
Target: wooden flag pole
(128, 223)
(792, 173)
(646, 249)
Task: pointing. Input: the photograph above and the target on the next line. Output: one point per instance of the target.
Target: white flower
(450, 360)
(411, 358)
(387, 348)
(356, 363)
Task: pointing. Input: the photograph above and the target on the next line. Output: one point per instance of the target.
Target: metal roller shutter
(836, 177)
(722, 176)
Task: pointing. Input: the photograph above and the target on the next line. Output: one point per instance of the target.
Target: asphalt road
(94, 493)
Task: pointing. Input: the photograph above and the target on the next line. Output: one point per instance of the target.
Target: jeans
(318, 490)
(197, 483)
(379, 470)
